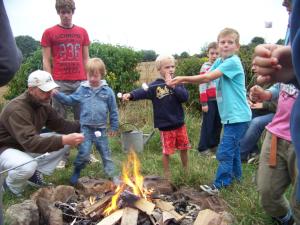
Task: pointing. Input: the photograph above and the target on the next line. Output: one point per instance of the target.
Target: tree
(121, 63)
(148, 55)
(184, 55)
(257, 40)
(280, 42)
(27, 45)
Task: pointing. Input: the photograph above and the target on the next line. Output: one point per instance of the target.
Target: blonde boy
(168, 112)
(232, 104)
(97, 106)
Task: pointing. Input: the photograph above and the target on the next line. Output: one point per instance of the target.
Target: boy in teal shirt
(234, 110)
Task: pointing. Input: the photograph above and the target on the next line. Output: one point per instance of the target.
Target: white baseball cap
(41, 79)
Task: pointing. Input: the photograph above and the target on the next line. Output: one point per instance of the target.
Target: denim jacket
(95, 104)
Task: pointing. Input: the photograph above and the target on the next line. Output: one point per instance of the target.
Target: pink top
(280, 125)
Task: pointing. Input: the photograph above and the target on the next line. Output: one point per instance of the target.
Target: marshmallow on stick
(119, 95)
(97, 133)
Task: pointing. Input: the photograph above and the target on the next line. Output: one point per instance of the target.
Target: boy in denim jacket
(97, 102)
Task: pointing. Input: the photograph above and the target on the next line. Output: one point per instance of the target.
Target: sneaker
(61, 165)
(210, 189)
(253, 159)
(93, 159)
(37, 180)
(204, 153)
(74, 178)
(5, 188)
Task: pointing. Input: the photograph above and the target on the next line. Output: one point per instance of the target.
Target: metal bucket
(134, 139)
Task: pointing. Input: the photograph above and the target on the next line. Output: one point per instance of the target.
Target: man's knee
(26, 171)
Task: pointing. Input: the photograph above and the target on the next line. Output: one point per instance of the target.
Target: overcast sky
(165, 26)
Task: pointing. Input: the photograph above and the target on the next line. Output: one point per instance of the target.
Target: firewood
(97, 205)
(129, 198)
(112, 219)
(130, 216)
(207, 217)
(163, 205)
(168, 215)
(145, 206)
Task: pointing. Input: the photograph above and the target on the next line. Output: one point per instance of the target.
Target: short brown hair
(230, 31)
(211, 45)
(65, 5)
(95, 64)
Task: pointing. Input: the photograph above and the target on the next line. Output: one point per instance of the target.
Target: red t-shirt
(66, 48)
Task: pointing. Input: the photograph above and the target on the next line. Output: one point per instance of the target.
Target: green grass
(242, 198)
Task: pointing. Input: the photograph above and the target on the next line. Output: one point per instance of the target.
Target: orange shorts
(174, 139)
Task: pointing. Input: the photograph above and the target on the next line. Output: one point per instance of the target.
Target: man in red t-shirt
(65, 53)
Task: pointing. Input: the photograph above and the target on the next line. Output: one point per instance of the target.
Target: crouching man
(21, 122)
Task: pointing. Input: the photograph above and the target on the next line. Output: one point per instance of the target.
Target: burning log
(130, 216)
(97, 206)
(113, 218)
(145, 206)
(163, 205)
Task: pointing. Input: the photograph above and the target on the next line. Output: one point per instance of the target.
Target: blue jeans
(253, 133)
(228, 154)
(102, 147)
(211, 127)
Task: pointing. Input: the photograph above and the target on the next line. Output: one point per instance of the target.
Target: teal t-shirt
(231, 91)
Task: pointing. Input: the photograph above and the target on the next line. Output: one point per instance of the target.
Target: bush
(19, 83)
(187, 67)
(121, 63)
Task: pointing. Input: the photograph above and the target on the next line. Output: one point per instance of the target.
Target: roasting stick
(144, 86)
(34, 159)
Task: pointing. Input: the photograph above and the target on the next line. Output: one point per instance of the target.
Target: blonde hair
(162, 58)
(65, 5)
(95, 64)
(230, 31)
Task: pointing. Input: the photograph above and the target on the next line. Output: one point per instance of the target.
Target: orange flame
(132, 178)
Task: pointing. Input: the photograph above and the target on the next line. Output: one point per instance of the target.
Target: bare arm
(85, 54)
(198, 79)
(47, 59)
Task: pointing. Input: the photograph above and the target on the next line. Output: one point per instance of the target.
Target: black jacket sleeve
(10, 55)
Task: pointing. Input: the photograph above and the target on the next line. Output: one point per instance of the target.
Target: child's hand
(54, 92)
(257, 94)
(126, 97)
(205, 108)
(174, 81)
(112, 133)
(258, 105)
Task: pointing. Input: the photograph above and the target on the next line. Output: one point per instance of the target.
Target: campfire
(137, 200)
(131, 202)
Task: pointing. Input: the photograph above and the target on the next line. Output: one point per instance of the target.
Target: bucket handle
(130, 124)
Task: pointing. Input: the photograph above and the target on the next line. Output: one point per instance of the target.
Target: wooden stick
(97, 205)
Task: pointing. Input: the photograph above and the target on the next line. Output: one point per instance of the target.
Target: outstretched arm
(197, 79)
